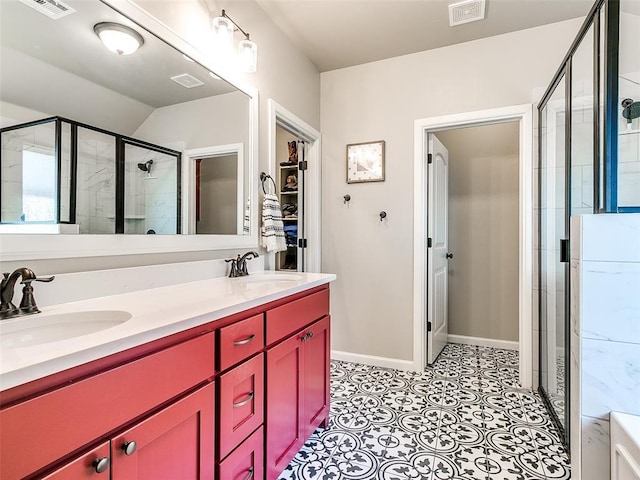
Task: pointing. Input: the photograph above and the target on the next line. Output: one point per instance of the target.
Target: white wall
(483, 230)
(372, 297)
(26, 74)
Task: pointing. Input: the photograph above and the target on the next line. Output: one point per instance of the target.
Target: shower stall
(589, 162)
(86, 179)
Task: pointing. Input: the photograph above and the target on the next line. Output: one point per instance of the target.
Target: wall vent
(187, 81)
(51, 8)
(466, 11)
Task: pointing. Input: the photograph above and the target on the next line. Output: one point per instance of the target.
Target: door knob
(449, 255)
(100, 465)
(129, 447)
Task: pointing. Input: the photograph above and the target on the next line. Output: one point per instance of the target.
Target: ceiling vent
(466, 11)
(51, 8)
(187, 80)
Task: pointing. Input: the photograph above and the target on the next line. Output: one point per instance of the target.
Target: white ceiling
(340, 33)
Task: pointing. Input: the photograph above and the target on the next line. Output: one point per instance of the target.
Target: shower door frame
(605, 153)
(563, 429)
(120, 141)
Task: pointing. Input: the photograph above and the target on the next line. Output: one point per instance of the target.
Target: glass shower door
(554, 254)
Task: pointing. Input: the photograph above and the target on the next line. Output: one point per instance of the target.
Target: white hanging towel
(272, 228)
(246, 222)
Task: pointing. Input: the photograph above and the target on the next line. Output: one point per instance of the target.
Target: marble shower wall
(150, 199)
(95, 206)
(605, 334)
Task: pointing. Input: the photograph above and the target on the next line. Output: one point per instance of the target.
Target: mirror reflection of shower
(146, 167)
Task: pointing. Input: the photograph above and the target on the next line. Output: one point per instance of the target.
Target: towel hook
(383, 215)
(347, 198)
(263, 178)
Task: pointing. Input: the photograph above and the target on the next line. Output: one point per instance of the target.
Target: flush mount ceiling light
(247, 51)
(118, 38)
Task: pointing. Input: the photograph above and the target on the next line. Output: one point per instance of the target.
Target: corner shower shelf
(629, 132)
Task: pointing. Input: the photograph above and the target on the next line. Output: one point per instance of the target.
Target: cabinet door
(175, 443)
(315, 375)
(284, 432)
(241, 403)
(94, 464)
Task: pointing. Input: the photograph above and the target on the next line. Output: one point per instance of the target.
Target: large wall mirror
(96, 144)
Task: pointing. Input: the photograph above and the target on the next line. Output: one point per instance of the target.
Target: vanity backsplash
(71, 287)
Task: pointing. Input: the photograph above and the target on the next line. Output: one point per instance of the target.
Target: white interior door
(437, 255)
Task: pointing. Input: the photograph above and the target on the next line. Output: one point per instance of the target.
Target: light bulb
(118, 38)
(248, 56)
(223, 35)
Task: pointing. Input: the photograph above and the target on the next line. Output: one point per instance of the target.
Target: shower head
(630, 109)
(146, 167)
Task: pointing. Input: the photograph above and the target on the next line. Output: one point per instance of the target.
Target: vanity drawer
(246, 461)
(82, 412)
(290, 317)
(241, 403)
(241, 340)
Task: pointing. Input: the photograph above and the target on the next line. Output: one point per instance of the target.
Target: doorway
(285, 124)
(423, 128)
(482, 235)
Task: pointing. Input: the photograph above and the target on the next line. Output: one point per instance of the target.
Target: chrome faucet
(239, 265)
(28, 304)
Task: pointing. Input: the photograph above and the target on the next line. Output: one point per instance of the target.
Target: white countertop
(155, 313)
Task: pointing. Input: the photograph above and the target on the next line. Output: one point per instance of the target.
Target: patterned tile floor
(465, 418)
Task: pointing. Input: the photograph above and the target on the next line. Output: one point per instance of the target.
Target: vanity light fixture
(247, 51)
(118, 38)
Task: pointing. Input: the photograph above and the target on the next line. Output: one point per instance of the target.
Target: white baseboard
(482, 342)
(372, 360)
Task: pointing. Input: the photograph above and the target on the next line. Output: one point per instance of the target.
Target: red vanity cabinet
(297, 386)
(47, 428)
(163, 411)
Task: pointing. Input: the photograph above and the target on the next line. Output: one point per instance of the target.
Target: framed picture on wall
(365, 162)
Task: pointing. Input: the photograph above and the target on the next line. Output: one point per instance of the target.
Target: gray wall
(483, 230)
(372, 299)
(218, 195)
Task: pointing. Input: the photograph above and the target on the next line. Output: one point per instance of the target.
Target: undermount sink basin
(273, 278)
(37, 330)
